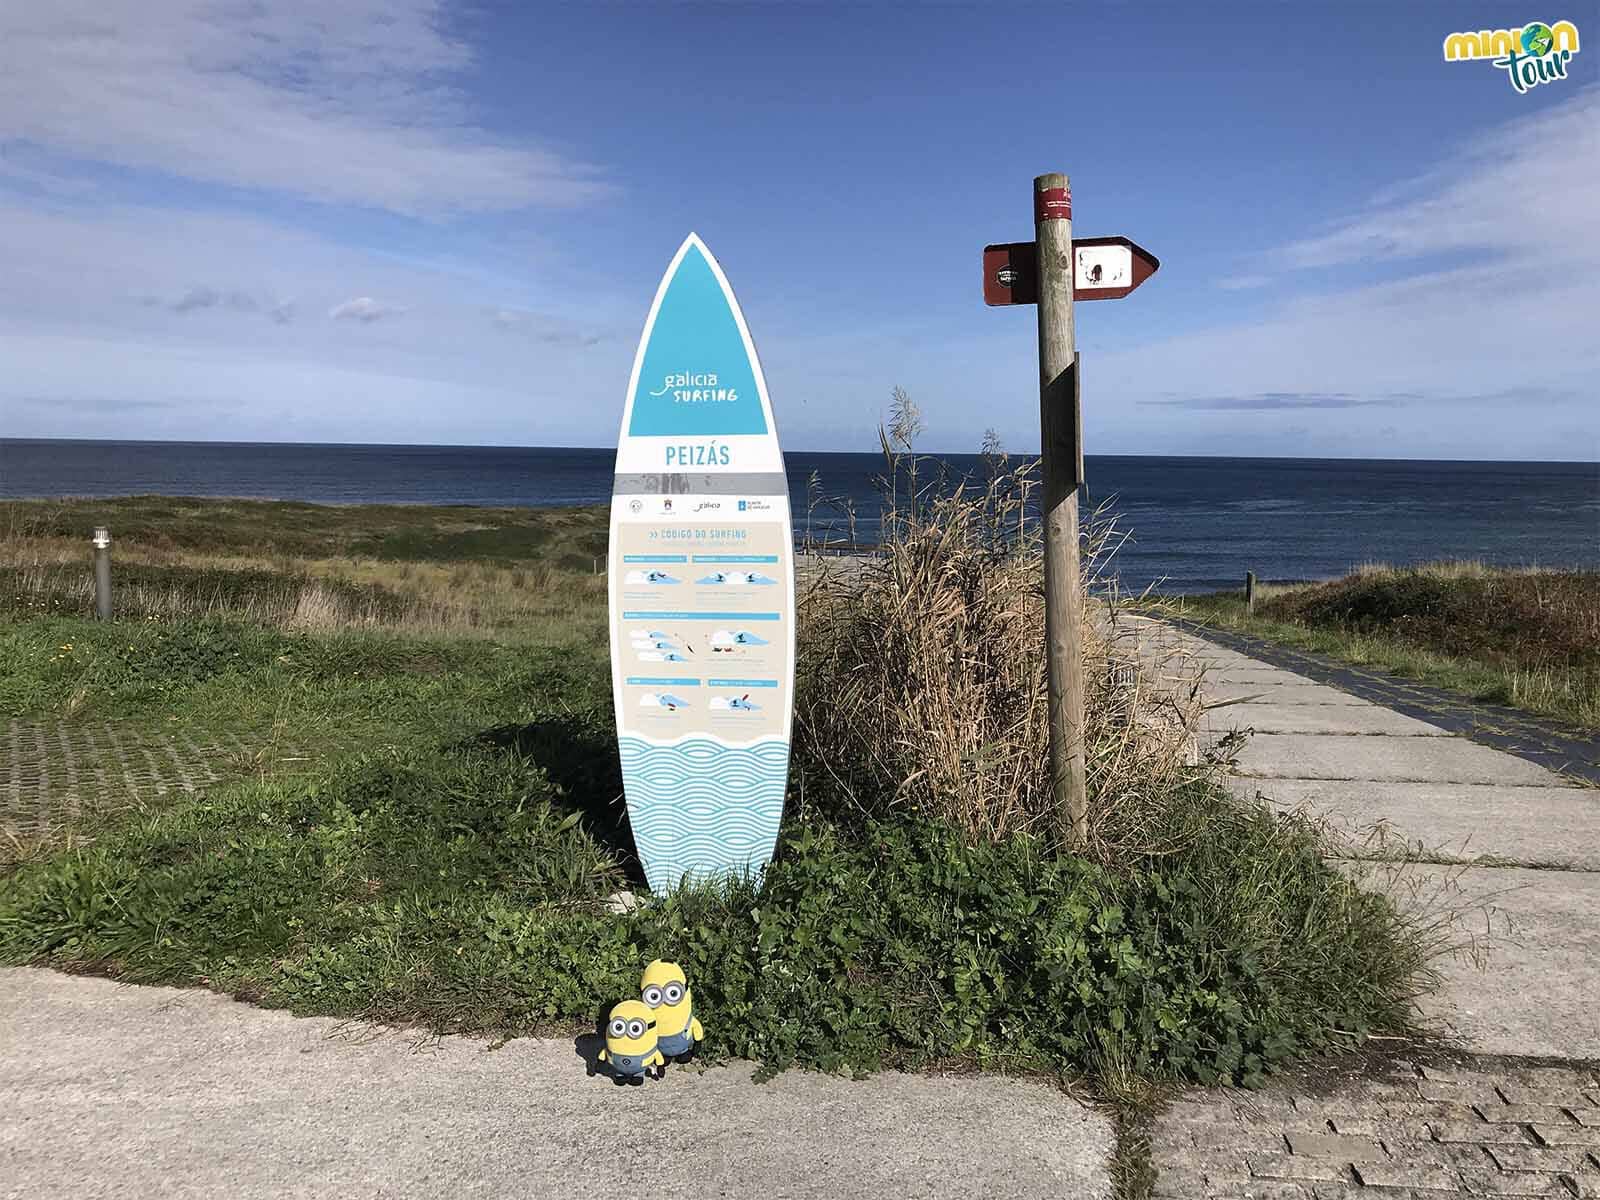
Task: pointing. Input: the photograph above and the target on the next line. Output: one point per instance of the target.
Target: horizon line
(1573, 462)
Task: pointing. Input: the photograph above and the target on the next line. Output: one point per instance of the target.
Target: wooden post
(102, 573)
(1250, 591)
(1061, 451)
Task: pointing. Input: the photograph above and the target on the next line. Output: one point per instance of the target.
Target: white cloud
(347, 102)
(364, 309)
(542, 329)
(203, 297)
(87, 312)
(1521, 193)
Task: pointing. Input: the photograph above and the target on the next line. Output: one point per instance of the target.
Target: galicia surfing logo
(1537, 53)
(696, 387)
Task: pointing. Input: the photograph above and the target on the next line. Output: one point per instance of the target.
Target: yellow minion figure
(631, 1042)
(666, 994)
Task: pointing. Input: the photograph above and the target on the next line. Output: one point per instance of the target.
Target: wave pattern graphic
(702, 810)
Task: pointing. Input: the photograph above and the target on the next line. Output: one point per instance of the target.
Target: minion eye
(674, 992)
(652, 996)
(619, 1028)
(636, 1028)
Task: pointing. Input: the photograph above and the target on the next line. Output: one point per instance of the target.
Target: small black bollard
(1250, 591)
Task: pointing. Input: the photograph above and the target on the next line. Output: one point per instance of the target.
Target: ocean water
(1195, 524)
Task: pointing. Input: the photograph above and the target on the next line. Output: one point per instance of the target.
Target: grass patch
(449, 864)
(1528, 639)
(462, 887)
(362, 685)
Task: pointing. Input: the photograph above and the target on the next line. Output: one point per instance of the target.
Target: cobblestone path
(1483, 1129)
(53, 774)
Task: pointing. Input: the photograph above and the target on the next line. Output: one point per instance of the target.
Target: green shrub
(1528, 619)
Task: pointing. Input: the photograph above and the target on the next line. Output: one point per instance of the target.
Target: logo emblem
(1534, 54)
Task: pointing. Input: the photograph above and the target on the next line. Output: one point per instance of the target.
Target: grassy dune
(425, 569)
(566, 538)
(1526, 638)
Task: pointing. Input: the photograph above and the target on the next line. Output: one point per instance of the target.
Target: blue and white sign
(701, 588)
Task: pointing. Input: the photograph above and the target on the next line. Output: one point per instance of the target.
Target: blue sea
(1195, 524)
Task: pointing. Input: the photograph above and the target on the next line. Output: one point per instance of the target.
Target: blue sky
(393, 220)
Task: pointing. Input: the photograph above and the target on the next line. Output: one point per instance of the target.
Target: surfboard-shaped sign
(701, 588)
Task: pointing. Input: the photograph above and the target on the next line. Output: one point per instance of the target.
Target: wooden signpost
(1051, 272)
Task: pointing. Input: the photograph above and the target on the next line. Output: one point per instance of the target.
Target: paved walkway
(115, 1091)
(1508, 848)
(108, 1090)
(1552, 743)
(1503, 851)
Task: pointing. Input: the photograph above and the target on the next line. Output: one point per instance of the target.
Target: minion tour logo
(1535, 54)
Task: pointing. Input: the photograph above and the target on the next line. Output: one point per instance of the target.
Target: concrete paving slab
(1266, 683)
(1295, 693)
(1266, 717)
(1526, 826)
(1172, 656)
(1424, 760)
(1244, 677)
(125, 1091)
(1525, 975)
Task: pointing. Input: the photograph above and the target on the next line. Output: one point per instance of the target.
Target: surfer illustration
(724, 641)
(662, 700)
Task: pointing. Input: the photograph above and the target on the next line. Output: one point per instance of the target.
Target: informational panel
(701, 588)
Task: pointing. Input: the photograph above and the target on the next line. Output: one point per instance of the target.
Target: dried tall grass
(48, 576)
(1445, 568)
(924, 675)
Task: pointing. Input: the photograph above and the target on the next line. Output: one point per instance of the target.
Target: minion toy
(630, 1047)
(666, 995)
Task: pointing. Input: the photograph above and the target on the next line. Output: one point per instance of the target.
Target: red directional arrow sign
(1103, 268)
